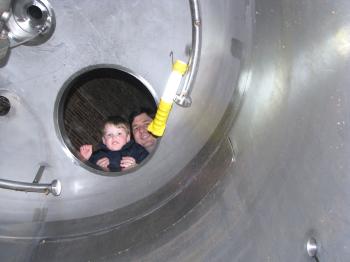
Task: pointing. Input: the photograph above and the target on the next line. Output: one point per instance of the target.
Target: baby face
(115, 137)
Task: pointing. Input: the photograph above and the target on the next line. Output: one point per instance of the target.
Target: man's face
(115, 137)
(139, 129)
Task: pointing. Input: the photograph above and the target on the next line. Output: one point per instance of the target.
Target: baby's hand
(85, 152)
(103, 163)
(127, 162)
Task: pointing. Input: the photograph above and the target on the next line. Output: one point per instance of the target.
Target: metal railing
(54, 188)
(184, 97)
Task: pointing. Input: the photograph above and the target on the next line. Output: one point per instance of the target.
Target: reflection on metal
(342, 41)
(31, 22)
(234, 149)
(54, 188)
(184, 98)
(312, 247)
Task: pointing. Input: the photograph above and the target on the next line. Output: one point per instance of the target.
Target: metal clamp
(54, 188)
(184, 97)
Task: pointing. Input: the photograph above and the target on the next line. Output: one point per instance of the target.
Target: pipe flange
(32, 22)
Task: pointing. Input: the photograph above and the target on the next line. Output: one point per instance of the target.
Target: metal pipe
(184, 98)
(53, 188)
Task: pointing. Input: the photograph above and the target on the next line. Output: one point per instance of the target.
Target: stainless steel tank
(255, 169)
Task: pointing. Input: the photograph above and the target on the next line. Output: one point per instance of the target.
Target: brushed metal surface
(272, 80)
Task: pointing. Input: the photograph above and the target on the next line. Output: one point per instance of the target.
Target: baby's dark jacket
(131, 149)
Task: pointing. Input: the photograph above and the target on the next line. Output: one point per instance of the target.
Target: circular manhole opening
(103, 113)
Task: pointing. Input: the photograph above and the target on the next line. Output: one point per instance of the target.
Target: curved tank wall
(255, 167)
(290, 178)
(138, 36)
